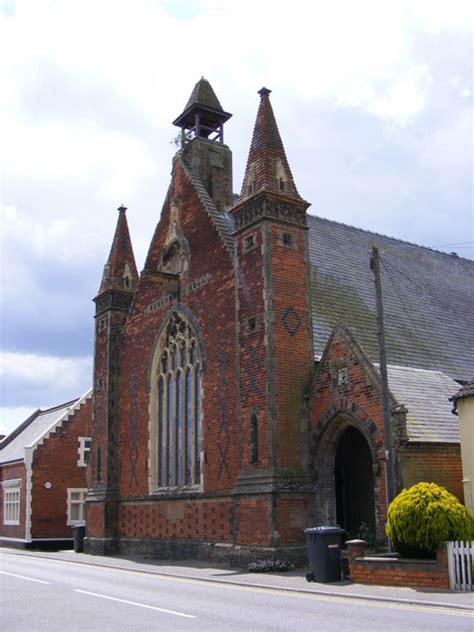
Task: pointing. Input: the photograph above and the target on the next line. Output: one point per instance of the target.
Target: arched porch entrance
(354, 481)
(347, 475)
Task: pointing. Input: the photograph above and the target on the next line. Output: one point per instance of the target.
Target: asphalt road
(39, 595)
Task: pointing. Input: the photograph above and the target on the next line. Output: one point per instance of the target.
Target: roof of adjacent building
(426, 396)
(428, 298)
(12, 448)
(463, 393)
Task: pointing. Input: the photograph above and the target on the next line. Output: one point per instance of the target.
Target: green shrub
(366, 533)
(425, 516)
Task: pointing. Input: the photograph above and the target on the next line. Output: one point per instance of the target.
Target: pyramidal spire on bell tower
(267, 166)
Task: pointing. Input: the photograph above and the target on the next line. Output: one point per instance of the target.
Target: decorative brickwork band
(113, 300)
(262, 206)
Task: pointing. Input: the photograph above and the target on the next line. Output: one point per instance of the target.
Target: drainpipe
(29, 484)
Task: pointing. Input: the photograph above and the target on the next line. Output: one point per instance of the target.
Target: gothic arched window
(175, 424)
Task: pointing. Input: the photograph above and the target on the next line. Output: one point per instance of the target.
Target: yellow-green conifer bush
(422, 518)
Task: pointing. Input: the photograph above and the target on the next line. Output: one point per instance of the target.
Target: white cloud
(39, 381)
(12, 416)
(62, 240)
(399, 103)
(48, 372)
(59, 152)
(436, 15)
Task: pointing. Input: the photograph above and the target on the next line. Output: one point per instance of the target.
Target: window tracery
(176, 407)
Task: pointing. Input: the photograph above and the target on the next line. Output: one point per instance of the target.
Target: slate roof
(202, 99)
(428, 298)
(12, 448)
(426, 395)
(204, 95)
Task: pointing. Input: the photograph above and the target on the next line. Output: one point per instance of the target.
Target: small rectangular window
(11, 501)
(83, 451)
(342, 376)
(101, 325)
(251, 325)
(286, 239)
(76, 503)
(250, 241)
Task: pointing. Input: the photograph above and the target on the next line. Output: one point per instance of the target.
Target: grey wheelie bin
(324, 553)
(78, 535)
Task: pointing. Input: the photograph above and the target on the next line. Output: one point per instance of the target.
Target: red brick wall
(294, 515)
(433, 463)
(293, 341)
(201, 519)
(285, 303)
(400, 572)
(95, 519)
(253, 375)
(11, 472)
(212, 306)
(253, 521)
(55, 461)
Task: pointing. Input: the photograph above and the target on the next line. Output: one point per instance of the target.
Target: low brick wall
(394, 571)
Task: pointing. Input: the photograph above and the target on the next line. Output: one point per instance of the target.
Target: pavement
(293, 581)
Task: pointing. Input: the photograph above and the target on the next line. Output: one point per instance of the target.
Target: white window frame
(81, 502)
(11, 501)
(83, 451)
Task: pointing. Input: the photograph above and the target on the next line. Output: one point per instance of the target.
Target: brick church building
(237, 395)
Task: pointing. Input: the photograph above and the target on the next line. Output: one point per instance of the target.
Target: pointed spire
(120, 271)
(267, 166)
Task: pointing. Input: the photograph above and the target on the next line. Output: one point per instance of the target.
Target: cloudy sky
(373, 101)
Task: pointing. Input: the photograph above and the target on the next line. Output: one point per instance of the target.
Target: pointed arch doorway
(354, 482)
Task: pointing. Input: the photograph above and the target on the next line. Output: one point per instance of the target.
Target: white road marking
(135, 603)
(30, 579)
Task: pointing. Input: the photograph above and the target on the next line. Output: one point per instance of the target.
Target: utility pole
(387, 430)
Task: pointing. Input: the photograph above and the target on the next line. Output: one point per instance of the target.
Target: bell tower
(202, 140)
